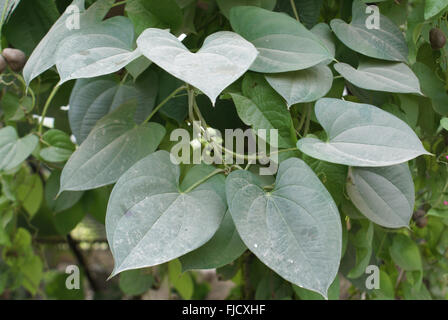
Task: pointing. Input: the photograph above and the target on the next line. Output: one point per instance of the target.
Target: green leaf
(92, 99)
(303, 85)
(182, 282)
(167, 12)
(223, 58)
(444, 123)
(434, 7)
(65, 200)
(67, 220)
(294, 229)
(284, 44)
(30, 193)
(362, 242)
(432, 87)
(60, 146)
(43, 56)
(361, 135)
(226, 5)
(96, 50)
(151, 220)
(225, 247)
(262, 108)
(32, 271)
(333, 292)
(384, 195)
(135, 282)
(405, 253)
(309, 11)
(324, 33)
(108, 152)
(381, 76)
(14, 108)
(15, 150)
(30, 23)
(386, 43)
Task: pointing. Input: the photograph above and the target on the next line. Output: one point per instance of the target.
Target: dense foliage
(93, 94)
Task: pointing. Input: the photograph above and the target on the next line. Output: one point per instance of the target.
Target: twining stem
(47, 104)
(294, 9)
(161, 104)
(22, 81)
(201, 181)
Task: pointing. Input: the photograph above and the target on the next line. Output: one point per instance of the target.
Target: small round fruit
(3, 64)
(422, 222)
(437, 39)
(15, 58)
(418, 214)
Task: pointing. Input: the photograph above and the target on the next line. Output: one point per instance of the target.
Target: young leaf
(29, 193)
(151, 219)
(262, 108)
(15, 150)
(303, 85)
(60, 147)
(284, 44)
(223, 58)
(361, 135)
(384, 195)
(381, 76)
(96, 50)
(113, 146)
(434, 7)
(92, 99)
(386, 43)
(294, 229)
(43, 56)
(405, 253)
(225, 247)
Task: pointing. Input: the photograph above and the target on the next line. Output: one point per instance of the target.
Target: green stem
(47, 104)
(294, 9)
(308, 120)
(197, 183)
(161, 104)
(119, 3)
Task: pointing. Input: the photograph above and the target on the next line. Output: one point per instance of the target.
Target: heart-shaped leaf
(386, 43)
(294, 229)
(100, 49)
(303, 85)
(92, 99)
(15, 150)
(225, 247)
(223, 58)
(113, 146)
(43, 56)
(283, 42)
(384, 195)
(381, 76)
(361, 135)
(152, 219)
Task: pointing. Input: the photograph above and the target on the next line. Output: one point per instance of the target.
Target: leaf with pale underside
(381, 76)
(224, 57)
(283, 42)
(15, 150)
(386, 43)
(152, 219)
(295, 229)
(384, 195)
(225, 247)
(361, 135)
(303, 85)
(92, 99)
(43, 56)
(113, 146)
(100, 49)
